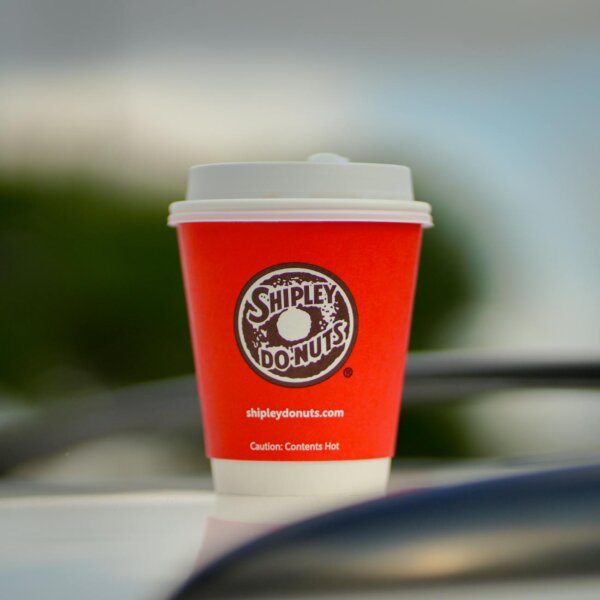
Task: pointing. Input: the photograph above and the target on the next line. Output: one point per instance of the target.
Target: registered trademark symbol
(348, 372)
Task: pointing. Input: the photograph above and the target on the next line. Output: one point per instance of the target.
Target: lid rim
(300, 209)
(419, 217)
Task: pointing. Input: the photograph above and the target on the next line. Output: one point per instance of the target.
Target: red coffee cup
(299, 280)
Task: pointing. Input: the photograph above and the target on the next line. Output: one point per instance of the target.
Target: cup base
(301, 478)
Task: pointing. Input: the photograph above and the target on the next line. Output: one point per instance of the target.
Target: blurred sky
(493, 104)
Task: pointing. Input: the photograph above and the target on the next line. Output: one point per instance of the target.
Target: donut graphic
(295, 324)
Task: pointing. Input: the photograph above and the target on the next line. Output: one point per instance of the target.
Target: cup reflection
(235, 520)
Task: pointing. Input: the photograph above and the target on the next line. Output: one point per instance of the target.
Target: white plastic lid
(327, 187)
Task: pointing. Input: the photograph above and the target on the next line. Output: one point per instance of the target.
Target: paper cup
(300, 315)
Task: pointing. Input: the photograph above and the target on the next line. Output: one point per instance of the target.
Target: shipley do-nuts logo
(295, 324)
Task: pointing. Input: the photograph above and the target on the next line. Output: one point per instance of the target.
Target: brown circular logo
(295, 324)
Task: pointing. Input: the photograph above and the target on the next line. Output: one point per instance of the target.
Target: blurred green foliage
(91, 296)
(91, 288)
(445, 286)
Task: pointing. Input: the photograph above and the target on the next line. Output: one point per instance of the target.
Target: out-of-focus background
(104, 105)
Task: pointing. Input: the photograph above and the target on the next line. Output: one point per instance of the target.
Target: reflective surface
(98, 542)
(96, 546)
(111, 542)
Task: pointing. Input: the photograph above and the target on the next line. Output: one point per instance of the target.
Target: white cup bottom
(301, 478)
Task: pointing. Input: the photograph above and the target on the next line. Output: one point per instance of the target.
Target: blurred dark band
(437, 377)
(170, 406)
(542, 525)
